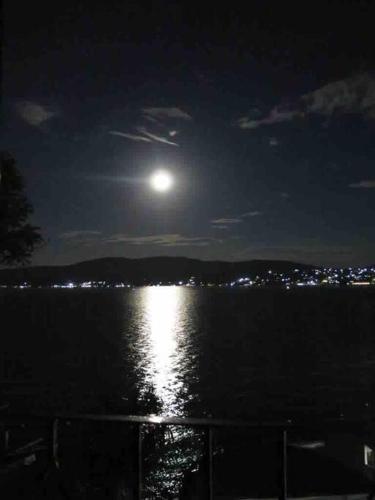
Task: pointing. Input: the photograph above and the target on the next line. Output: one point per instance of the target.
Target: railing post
(283, 464)
(55, 443)
(209, 462)
(139, 473)
(6, 440)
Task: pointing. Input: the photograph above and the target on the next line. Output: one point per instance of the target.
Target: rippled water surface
(185, 351)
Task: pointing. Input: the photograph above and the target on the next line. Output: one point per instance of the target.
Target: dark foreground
(100, 457)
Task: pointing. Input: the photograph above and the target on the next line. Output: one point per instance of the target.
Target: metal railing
(207, 425)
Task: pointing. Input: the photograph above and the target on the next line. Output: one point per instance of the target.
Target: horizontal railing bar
(192, 422)
(26, 447)
(166, 421)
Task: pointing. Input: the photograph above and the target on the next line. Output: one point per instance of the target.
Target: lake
(230, 353)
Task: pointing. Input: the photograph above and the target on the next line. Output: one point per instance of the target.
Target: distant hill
(143, 271)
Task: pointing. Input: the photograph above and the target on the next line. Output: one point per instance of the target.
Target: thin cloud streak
(167, 112)
(155, 137)
(254, 213)
(224, 221)
(132, 137)
(276, 115)
(164, 240)
(229, 220)
(146, 137)
(78, 234)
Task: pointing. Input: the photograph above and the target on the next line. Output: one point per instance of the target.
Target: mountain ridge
(144, 270)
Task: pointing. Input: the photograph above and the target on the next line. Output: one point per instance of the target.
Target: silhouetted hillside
(143, 271)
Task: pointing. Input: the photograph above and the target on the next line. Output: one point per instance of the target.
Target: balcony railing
(208, 427)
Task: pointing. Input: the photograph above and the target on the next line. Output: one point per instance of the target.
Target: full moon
(161, 180)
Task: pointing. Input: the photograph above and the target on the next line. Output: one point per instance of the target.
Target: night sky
(265, 118)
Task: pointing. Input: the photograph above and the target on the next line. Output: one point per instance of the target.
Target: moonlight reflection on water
(162, 343)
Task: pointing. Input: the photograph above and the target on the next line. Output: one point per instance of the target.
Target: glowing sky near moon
(161, 180)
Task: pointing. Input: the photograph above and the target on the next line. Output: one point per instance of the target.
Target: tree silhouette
(18, 238)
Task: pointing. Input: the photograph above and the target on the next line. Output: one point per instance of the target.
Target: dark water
(184, 351)
(261, 354)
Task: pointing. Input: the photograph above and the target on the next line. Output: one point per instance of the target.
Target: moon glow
(161, 180)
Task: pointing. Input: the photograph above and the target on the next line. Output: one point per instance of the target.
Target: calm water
(184, 351)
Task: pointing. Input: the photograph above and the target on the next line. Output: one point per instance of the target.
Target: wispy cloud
(223, 222)
(276, 115)
(33, 113)
(170, 112)
(154, 137)
(75, 235)
(164, 240)
(353, 95)
(146, 137)
(254, 213)
(159, 129)
(132, 137)
(151, 119)
(228, 220)
(369, 184)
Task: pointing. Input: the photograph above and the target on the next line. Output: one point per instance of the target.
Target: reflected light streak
(164, 325)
